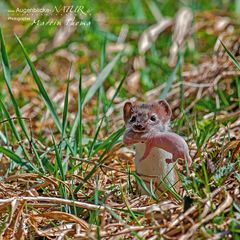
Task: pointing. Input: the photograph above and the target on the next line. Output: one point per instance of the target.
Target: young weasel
(147, 126)
(168, 141)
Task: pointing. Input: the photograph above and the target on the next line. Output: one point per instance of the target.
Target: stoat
(157, 149)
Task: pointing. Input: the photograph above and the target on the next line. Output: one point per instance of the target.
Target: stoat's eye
(133, 119)
(153, 118)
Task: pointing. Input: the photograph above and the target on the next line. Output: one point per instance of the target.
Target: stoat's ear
(163, 110)
(127, 111)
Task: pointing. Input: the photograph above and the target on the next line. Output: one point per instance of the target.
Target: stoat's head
(144, 117)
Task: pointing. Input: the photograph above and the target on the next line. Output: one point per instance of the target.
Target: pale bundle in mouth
(168, 141)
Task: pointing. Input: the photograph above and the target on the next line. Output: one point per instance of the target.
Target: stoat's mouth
(139, 131)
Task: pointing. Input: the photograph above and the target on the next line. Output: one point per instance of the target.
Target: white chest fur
(155, 165)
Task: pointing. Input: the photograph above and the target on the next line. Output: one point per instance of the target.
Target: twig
(54, 200)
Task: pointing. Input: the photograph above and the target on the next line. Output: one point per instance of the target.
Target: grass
(61, 133)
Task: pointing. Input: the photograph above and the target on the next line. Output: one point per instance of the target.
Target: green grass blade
(59, 164)
(172, 78)
(108, 140)
(101, 92)
(101, 78)
(13, 127)
(105, 114)
(233, 59)
(238, 90)
(17, 159)
(102, 99)
(26, 34)
(78, 119)
(7, 77)
(128, 206)
(101, 158)
(17, 136)
(5, 63)
(144, 186)
(64, 119)
(3, 138)
(41, 88)
(65, 108)
(103, 53)
(138, 9)
(80, 127)
(58, 158)
(10, 121)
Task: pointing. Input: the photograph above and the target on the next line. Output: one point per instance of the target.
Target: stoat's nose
(139, 127)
